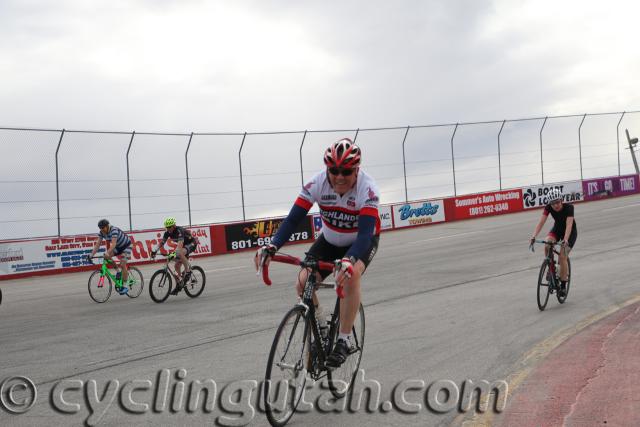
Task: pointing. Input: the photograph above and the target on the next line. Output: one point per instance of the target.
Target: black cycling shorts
(558, 234)
(325, 251)
(123, 252)
(191, 247)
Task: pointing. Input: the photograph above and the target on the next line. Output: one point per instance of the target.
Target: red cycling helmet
(342, 154)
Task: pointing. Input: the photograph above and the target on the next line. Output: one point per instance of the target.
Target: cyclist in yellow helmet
(186, 244)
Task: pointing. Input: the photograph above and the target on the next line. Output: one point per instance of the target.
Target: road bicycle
(300, 349)
(548, 279)
(100, 281)
(161, 283)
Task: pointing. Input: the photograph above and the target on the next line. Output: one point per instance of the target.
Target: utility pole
(632, 144)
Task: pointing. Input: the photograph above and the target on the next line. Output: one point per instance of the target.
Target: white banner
(535, 197)
(66, 252)
(409, 214)
(384, 212)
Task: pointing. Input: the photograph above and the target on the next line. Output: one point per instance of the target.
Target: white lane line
(621, 207)
(226, 269)
(445, 237)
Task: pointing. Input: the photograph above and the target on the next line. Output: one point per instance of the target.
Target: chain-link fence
(60, 182)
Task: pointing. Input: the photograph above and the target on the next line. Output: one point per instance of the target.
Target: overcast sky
(257, 66)
(154, 65)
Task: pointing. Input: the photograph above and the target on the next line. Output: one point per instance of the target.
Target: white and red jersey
(340, 213)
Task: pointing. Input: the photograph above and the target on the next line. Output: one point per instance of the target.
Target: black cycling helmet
(103, 223)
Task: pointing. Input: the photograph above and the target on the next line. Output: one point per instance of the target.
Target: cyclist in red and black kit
(348, 201)
(186, 244)
(564, 230)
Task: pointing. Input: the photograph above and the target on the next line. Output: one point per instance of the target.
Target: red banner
(485, 204)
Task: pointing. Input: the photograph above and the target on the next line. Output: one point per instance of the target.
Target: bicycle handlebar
(290, 259)
(553, 244)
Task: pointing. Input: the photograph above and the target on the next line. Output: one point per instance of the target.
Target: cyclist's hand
(89, 259)
(153, 254)
(532, 242)
(563, 244)
(264, 253)
(343, 270)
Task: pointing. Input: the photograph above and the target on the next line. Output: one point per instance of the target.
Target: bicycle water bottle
(118, 275)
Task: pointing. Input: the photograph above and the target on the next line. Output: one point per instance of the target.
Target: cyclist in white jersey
(348, 199)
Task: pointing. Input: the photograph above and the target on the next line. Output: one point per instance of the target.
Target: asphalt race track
(454, 301)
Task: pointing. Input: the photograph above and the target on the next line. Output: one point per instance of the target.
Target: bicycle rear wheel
(99, 287)
(160, 286)
(562, 299)
(286, 374)
(196, 283)
(341, 379)
(136, 283)
(545, 282)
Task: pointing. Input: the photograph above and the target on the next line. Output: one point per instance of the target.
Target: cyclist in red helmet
(348, 199)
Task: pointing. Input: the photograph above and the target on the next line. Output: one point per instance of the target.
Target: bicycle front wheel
(563, 298)
(341, 379)
(545, 282)
(136, 283)
(160, 286)
(196, 283)
(286, 374)
(99, 287)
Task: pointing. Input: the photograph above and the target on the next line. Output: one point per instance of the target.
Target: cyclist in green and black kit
(186, 244)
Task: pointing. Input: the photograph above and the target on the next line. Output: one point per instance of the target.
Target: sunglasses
(339, 171)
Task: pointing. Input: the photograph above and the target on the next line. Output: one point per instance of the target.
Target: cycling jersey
(179, 234)
(122, 240)
(561, 218)
(340, 213)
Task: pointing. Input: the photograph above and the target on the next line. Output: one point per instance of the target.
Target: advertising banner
(384, 212)
(254, 234)
(317, 225)
(67, 252)
(477, 205)
(535, 197)
(422, 213)
(601, 188)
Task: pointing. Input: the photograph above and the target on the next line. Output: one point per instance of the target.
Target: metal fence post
(541, 159)
(499, 160)
(580, 144)
(186, 164)
(58, 180)
(301, 168)
(133, 134)
(618, 139)
(244, 217)
(453, 160)
(404, 165)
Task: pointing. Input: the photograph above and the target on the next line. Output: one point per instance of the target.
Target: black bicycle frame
(307, 302)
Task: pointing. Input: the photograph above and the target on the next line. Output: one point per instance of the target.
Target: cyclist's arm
(568, 229)
(112, 245)
(297, 213)
(160, 244)
(366, 229)
(96, 245)
(543, 219)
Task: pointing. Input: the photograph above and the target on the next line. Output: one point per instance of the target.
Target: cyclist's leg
(188, 250)
(552, 237)
(322, 250)
(351, 302)
(178, 264)
(564, 255)
(124, 256)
